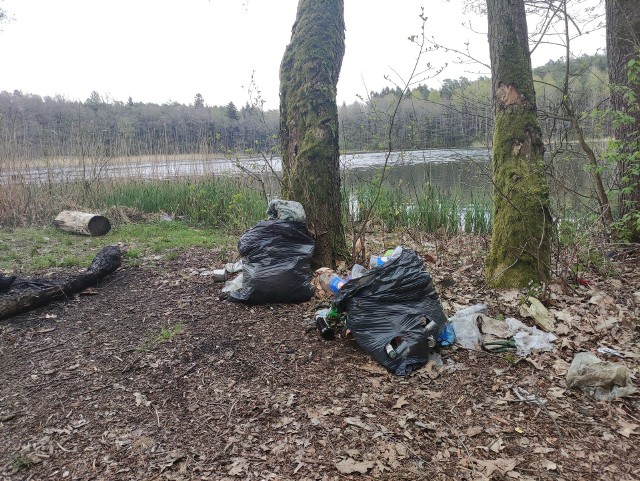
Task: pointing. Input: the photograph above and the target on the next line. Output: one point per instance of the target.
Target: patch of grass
(168, 333)
(427, 209)
(220, 202)
(21, 463)
(27, 250)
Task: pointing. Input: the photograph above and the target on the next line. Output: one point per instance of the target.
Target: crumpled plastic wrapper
(602, 380)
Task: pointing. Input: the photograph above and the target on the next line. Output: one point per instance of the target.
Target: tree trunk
(30, 295)
(82, 223)
(520, 251)
(623, 44)
(309, 122)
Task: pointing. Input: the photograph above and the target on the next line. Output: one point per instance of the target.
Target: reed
(426, 208)
(209, 199)
(216, 201)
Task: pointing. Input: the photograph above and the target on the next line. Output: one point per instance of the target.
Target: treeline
(458, 114)
(35, 127)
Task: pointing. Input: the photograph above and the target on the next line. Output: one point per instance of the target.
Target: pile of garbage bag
(475, 330)
(276, 258)
(394, 312)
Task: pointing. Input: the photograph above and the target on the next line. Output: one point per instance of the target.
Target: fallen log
(29, 295)
(82, 223)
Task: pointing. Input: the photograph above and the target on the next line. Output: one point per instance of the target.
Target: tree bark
(82, 223)
(623, 44)
(309, 122)
(30, 295)
(520, 251)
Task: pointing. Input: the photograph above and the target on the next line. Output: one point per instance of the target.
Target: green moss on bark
(309, 122)
(522, 230)
(521, 235)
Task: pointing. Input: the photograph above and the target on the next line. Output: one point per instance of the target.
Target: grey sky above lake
(160, 50)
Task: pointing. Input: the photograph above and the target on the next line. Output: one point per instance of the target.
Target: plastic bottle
(358, 271)
(376, 261)
(331, 282)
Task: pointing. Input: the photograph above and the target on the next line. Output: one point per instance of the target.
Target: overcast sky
(168, 50)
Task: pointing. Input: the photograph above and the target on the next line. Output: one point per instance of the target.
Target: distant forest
(458, 114)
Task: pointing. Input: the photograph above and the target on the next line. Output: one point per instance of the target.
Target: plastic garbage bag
(465, 326)
(447, 335)
(529, 339)
(233, 284)
(276, 263)
(286, 210)
(394, 305)
(602, 380)
(233, 267)
(467, 332)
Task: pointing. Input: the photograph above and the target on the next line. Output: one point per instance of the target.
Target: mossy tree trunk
(309, 122)
(623, 45)
(520, 251)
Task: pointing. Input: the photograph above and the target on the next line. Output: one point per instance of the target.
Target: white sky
(169, 50)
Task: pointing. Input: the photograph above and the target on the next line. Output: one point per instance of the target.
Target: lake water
(460, 170)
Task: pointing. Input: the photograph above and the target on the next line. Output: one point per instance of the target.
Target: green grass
(428, 209)
(32, 249)
(218, 202)
(213, 212)
(234, 204)
(21, 463)
(168, 333)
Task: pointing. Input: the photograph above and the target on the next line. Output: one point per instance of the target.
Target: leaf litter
(247, 392)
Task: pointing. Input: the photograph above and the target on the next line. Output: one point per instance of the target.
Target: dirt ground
(94, 388)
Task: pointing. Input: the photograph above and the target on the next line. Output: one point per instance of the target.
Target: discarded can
(391, 352)
(326, 332)
(219, 275)
(431, 326)
(396, 347)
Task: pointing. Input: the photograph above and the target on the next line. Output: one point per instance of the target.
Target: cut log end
(82, 223)
(99, 225)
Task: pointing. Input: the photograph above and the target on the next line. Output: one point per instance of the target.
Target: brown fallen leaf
(400, 402)
(238, 467)
(473, 430)
(358, 423)
(628, 429)
(350, 465)
(502, 465)
(549, 465)
(497, 446)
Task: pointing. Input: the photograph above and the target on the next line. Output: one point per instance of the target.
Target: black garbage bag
(390, 310)
(276, 263)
